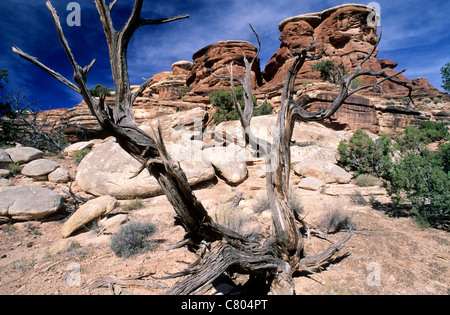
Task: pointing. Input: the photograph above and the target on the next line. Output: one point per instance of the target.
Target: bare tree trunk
(220, 249)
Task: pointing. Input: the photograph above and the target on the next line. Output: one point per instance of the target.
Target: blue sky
(416, 35)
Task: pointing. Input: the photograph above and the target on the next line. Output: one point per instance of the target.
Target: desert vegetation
(416, 176)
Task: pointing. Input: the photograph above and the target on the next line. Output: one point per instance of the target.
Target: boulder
(23, 155)
(5, 182)
(312, 153)
(311, 183)
(107, 170)
(74, 148)
(86, 213)
(326, 171)
(60, 175)
(5, 173)
(228, 162)
(5, 159)
(198, 171)
(39, 169)
(28, 203)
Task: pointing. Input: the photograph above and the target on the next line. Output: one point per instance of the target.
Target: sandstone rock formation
(215, 58)
(325, 171)
(86, 213)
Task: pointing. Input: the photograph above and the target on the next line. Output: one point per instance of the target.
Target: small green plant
(61, 156)
(100, 91)
(133, 238)
(75, 248)
(185, 90)
(80, 155)
(327, 70)
(306, 83)
(363, 155)
(366, 180)
(436, 100)
(225, 110)
(9, 228)
(23, 264)
(134, 204)
(389, 102)
(15, 168)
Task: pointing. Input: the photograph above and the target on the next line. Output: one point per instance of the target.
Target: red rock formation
(343, 35)
(215, 58)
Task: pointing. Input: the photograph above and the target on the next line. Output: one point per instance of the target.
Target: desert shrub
(263, 204)
(225, 111)
(335, 220)
(15, 168)
(416, 138)
(363, 155)
(132, 239)
(80, 155)
(100, 91)
(419, 180)
(358, 199)
(366, 180)
(234, 219)
(133, 204)
(326, 69)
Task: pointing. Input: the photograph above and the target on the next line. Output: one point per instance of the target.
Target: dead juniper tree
(219, 249)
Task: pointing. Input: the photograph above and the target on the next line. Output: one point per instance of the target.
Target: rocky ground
(387, 255)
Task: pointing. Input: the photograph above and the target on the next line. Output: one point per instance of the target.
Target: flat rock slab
(23, 155)
(326, 171)
(25, 203)
(39, 169)
(76, 147)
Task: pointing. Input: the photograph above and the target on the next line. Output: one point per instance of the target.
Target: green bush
(420, 178)
(80, 155)
(134, 204)
(15, 168)
(132, 239)
(363, 155)
(100, 91)
(326, 68)
(225, 111)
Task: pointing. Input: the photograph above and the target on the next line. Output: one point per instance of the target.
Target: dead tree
(219, 249)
